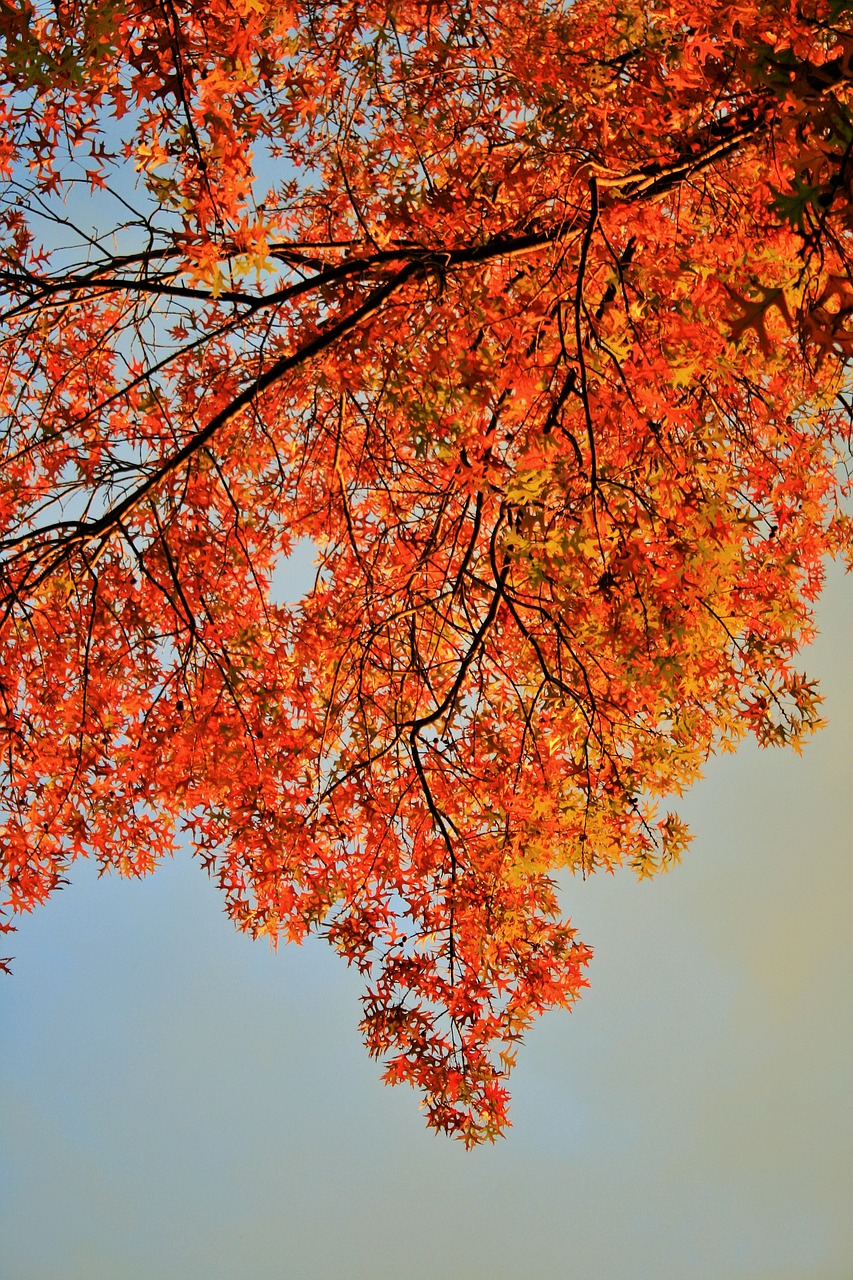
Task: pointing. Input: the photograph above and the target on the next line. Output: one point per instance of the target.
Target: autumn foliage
(533, 317)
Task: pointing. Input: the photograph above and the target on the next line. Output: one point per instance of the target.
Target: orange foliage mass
(533, 317)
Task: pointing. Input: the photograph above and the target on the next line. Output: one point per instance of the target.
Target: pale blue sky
(178, 1103)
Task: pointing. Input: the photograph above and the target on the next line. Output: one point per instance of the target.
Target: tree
(533, 318)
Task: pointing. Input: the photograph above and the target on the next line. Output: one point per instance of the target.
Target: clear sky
(179, 1103)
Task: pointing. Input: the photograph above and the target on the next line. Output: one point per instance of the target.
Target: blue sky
(181, 1103)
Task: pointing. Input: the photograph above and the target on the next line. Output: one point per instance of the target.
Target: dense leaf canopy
(532, 316)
